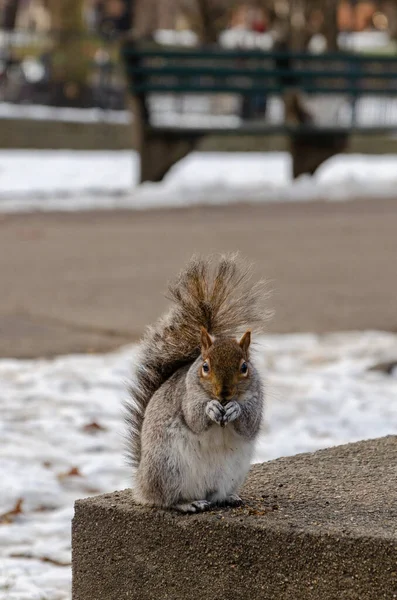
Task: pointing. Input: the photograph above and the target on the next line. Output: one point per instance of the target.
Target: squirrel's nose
(227, 393)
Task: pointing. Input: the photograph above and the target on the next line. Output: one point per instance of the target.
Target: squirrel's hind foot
(203, 505)
(193, 507)
(232, 500)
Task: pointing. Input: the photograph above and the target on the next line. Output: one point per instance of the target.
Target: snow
(72, 180)
(207, 111)
(241, 37)
(363, 40)
(68, 115)
(237, 37)
(172, 37)
(62, 434)
(223, 110)
(49, 172)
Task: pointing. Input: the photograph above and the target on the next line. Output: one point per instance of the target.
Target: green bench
(323, 98)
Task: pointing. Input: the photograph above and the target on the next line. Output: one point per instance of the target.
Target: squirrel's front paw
(215, 411)
(232, 412)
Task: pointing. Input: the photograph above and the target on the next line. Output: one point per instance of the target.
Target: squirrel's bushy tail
(213, 293)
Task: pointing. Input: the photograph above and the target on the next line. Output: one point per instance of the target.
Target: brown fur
(215, 294)
(224, 357)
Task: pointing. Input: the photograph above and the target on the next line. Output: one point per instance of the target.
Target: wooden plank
(254, 72)
(262, 128)
(223, 54)
(219, 87)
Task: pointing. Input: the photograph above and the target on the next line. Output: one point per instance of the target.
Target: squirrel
(196, 402)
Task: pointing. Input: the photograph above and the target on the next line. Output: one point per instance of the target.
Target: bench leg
(159, 152)
(309, 151)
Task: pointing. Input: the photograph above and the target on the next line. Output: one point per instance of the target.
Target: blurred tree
(151, 15)
(292, 20)
(70, 57)
(210, 17)
(115, 16)
(205, 17)
(9, 16)
(390, 10)
(298, 20)
(330, 24)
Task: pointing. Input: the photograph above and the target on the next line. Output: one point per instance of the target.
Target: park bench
(316, 100)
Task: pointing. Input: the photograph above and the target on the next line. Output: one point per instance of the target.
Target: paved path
(91, 281)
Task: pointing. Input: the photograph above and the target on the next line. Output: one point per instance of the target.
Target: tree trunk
(331, 24)
(209, 34)
(10, 12)
(297, 25)
(390, 10)
(70, 60)
(144, 18)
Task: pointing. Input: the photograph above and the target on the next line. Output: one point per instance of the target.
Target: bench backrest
(216, 70)
(253, 73)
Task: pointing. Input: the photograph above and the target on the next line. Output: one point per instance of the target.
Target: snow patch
(68, 115)
(71, 180)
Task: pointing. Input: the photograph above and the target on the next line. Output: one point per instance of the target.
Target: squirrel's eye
(244, 368)
(206, 368)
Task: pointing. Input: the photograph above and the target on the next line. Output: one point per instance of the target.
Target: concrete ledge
(316, 526)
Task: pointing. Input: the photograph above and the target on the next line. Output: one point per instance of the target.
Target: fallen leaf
(385, 367)
(10, 515)
(43, 508)
(93, 427)
(73, 472)
(46, 559)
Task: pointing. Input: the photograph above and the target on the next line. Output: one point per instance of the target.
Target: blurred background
(65, 53)
(87, 248)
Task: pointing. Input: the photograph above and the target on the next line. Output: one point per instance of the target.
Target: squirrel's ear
(206, 341)
(245, 341)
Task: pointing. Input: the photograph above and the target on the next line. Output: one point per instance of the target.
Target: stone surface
(41, 134)
(316, 526)
(332, 267)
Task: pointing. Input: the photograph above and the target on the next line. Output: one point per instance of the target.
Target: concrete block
(319, 526)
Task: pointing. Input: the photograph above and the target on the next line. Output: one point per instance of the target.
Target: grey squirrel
(196, 401)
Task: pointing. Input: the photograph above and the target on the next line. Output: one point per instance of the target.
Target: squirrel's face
(224, 370)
